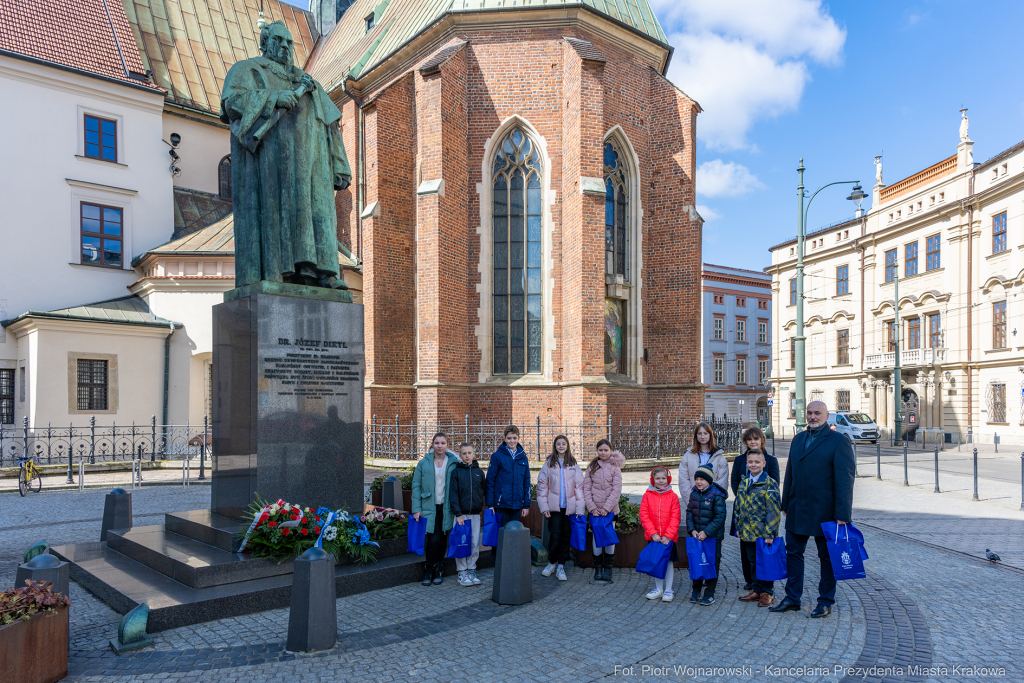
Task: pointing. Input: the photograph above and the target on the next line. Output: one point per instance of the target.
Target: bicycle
(28, 476)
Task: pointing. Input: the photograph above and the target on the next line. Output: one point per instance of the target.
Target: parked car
(854, 426)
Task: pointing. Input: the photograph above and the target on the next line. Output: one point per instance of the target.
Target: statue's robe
(282, 183)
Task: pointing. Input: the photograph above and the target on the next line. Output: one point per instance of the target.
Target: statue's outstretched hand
(341, 182)
(308, 83)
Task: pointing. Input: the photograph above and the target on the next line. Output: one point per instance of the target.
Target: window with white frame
(741, 371)
(762, 331)
(741, 329)
(719, 329)
(762, 371)
(719, 370)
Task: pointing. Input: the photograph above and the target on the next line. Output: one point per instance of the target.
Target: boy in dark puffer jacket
(467, 493)
(705, 518)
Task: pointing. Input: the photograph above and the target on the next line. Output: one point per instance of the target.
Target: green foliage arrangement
(405, 478)
(36, 597)
(628, 519)
(384, 523)
(283, 530)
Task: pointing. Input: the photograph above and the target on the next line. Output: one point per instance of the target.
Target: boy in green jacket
(758, 514)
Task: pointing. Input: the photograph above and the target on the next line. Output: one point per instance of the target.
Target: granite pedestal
(288, 402)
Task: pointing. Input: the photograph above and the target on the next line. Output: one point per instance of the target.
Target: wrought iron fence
(390, 439)
(92, 443)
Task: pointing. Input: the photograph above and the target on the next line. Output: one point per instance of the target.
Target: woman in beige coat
(703, 451)
(559, 495)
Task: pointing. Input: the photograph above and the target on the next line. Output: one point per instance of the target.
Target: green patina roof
(350, 50)
(127, 310)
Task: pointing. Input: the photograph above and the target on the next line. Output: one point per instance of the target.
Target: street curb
(112, 484)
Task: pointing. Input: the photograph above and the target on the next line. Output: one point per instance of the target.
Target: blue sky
(834, 84)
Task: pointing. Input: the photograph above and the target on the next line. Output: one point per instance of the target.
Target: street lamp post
(799, 343)
(897, 370)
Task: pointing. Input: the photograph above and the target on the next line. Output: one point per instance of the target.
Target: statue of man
(963, 125)
(878, 170)
(287, 159)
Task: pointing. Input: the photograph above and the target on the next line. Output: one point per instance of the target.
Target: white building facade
(953, 236)
(737, 343)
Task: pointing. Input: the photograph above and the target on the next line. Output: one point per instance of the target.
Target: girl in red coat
(660, 515)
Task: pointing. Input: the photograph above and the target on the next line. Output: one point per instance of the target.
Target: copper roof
(190, 44)
(351, 50)
(126, 310)
(86, 35)
(195, 210)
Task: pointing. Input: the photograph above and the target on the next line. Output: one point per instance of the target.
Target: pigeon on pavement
(991, 556)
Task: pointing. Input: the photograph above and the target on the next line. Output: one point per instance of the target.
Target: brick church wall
(422, 255)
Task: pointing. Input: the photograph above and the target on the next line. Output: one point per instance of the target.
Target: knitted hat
(706, 472)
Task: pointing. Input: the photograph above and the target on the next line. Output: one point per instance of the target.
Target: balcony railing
(908, 358)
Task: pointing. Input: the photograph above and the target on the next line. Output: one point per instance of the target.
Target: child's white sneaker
(654, 594)
(464, 579)
(473, 578)
(560, 574)
(667, 597)
(548, 570)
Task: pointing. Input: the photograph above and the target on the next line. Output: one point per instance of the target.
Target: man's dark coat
(818, 486)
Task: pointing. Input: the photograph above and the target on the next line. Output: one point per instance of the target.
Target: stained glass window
(516, 175)
(615, 214)
(614, 339)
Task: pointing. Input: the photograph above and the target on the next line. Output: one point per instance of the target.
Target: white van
(854, 426)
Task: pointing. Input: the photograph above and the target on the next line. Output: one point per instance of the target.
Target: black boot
(598, 569)
(438, 574)
(609, 562)
(428, 574)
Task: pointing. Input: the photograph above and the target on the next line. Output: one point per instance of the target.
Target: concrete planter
(36, 650)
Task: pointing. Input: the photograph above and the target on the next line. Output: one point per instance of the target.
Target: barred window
(92, 384)
(842, 399)
(997, 409)
(517, 256)
(6, 397)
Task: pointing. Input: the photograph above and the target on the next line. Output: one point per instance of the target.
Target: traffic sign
(770, 403)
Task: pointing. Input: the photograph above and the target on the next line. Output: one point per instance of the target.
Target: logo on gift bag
(703, 558)
(846, 560)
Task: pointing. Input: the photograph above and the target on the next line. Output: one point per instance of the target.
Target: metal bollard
(140, 464)
(975, 474)
(995, 440)
(937, 470)
(391, 494)
(81, 475)
(513, 579)
(313, 615)
(878, 459)
(906, 482)
(186, 473)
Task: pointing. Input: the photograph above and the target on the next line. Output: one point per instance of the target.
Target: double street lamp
(799, 341)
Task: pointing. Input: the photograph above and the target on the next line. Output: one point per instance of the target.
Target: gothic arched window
(224, 177)
(516, 178)
(615, 214)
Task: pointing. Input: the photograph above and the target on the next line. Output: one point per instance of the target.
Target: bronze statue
(287, 159)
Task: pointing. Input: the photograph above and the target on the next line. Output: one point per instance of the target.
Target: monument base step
(185, 580)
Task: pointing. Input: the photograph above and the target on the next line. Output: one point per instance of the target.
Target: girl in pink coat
(559, 496)
(602, 486)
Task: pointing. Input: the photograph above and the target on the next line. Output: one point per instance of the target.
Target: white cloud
(745, 60)
(717, 178)
(707, 213)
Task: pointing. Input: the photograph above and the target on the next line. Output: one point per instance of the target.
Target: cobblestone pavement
(922, 604)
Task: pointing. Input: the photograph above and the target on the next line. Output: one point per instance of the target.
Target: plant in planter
(376, 486)
(385, 523)
(628, 519)
(33, 633)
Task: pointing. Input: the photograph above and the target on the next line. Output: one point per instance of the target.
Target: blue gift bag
(701, 556)
(604, 530)
(489, 529)
(460, 540)
(654, 559)
(847, 557)
(830, 529)
(417, 532)
(771, 560)
(578, 537)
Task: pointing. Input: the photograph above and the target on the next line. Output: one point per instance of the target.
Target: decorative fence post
(92, 440)
(657, 440)
(71, 439)
(539, 456)
(152, 449)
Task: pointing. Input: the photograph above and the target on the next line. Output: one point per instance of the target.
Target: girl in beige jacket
(602, 486)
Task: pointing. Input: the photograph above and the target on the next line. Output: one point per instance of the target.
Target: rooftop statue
(963, 125)
(287, 159)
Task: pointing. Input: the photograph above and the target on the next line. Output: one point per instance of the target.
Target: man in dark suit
(818, 487)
